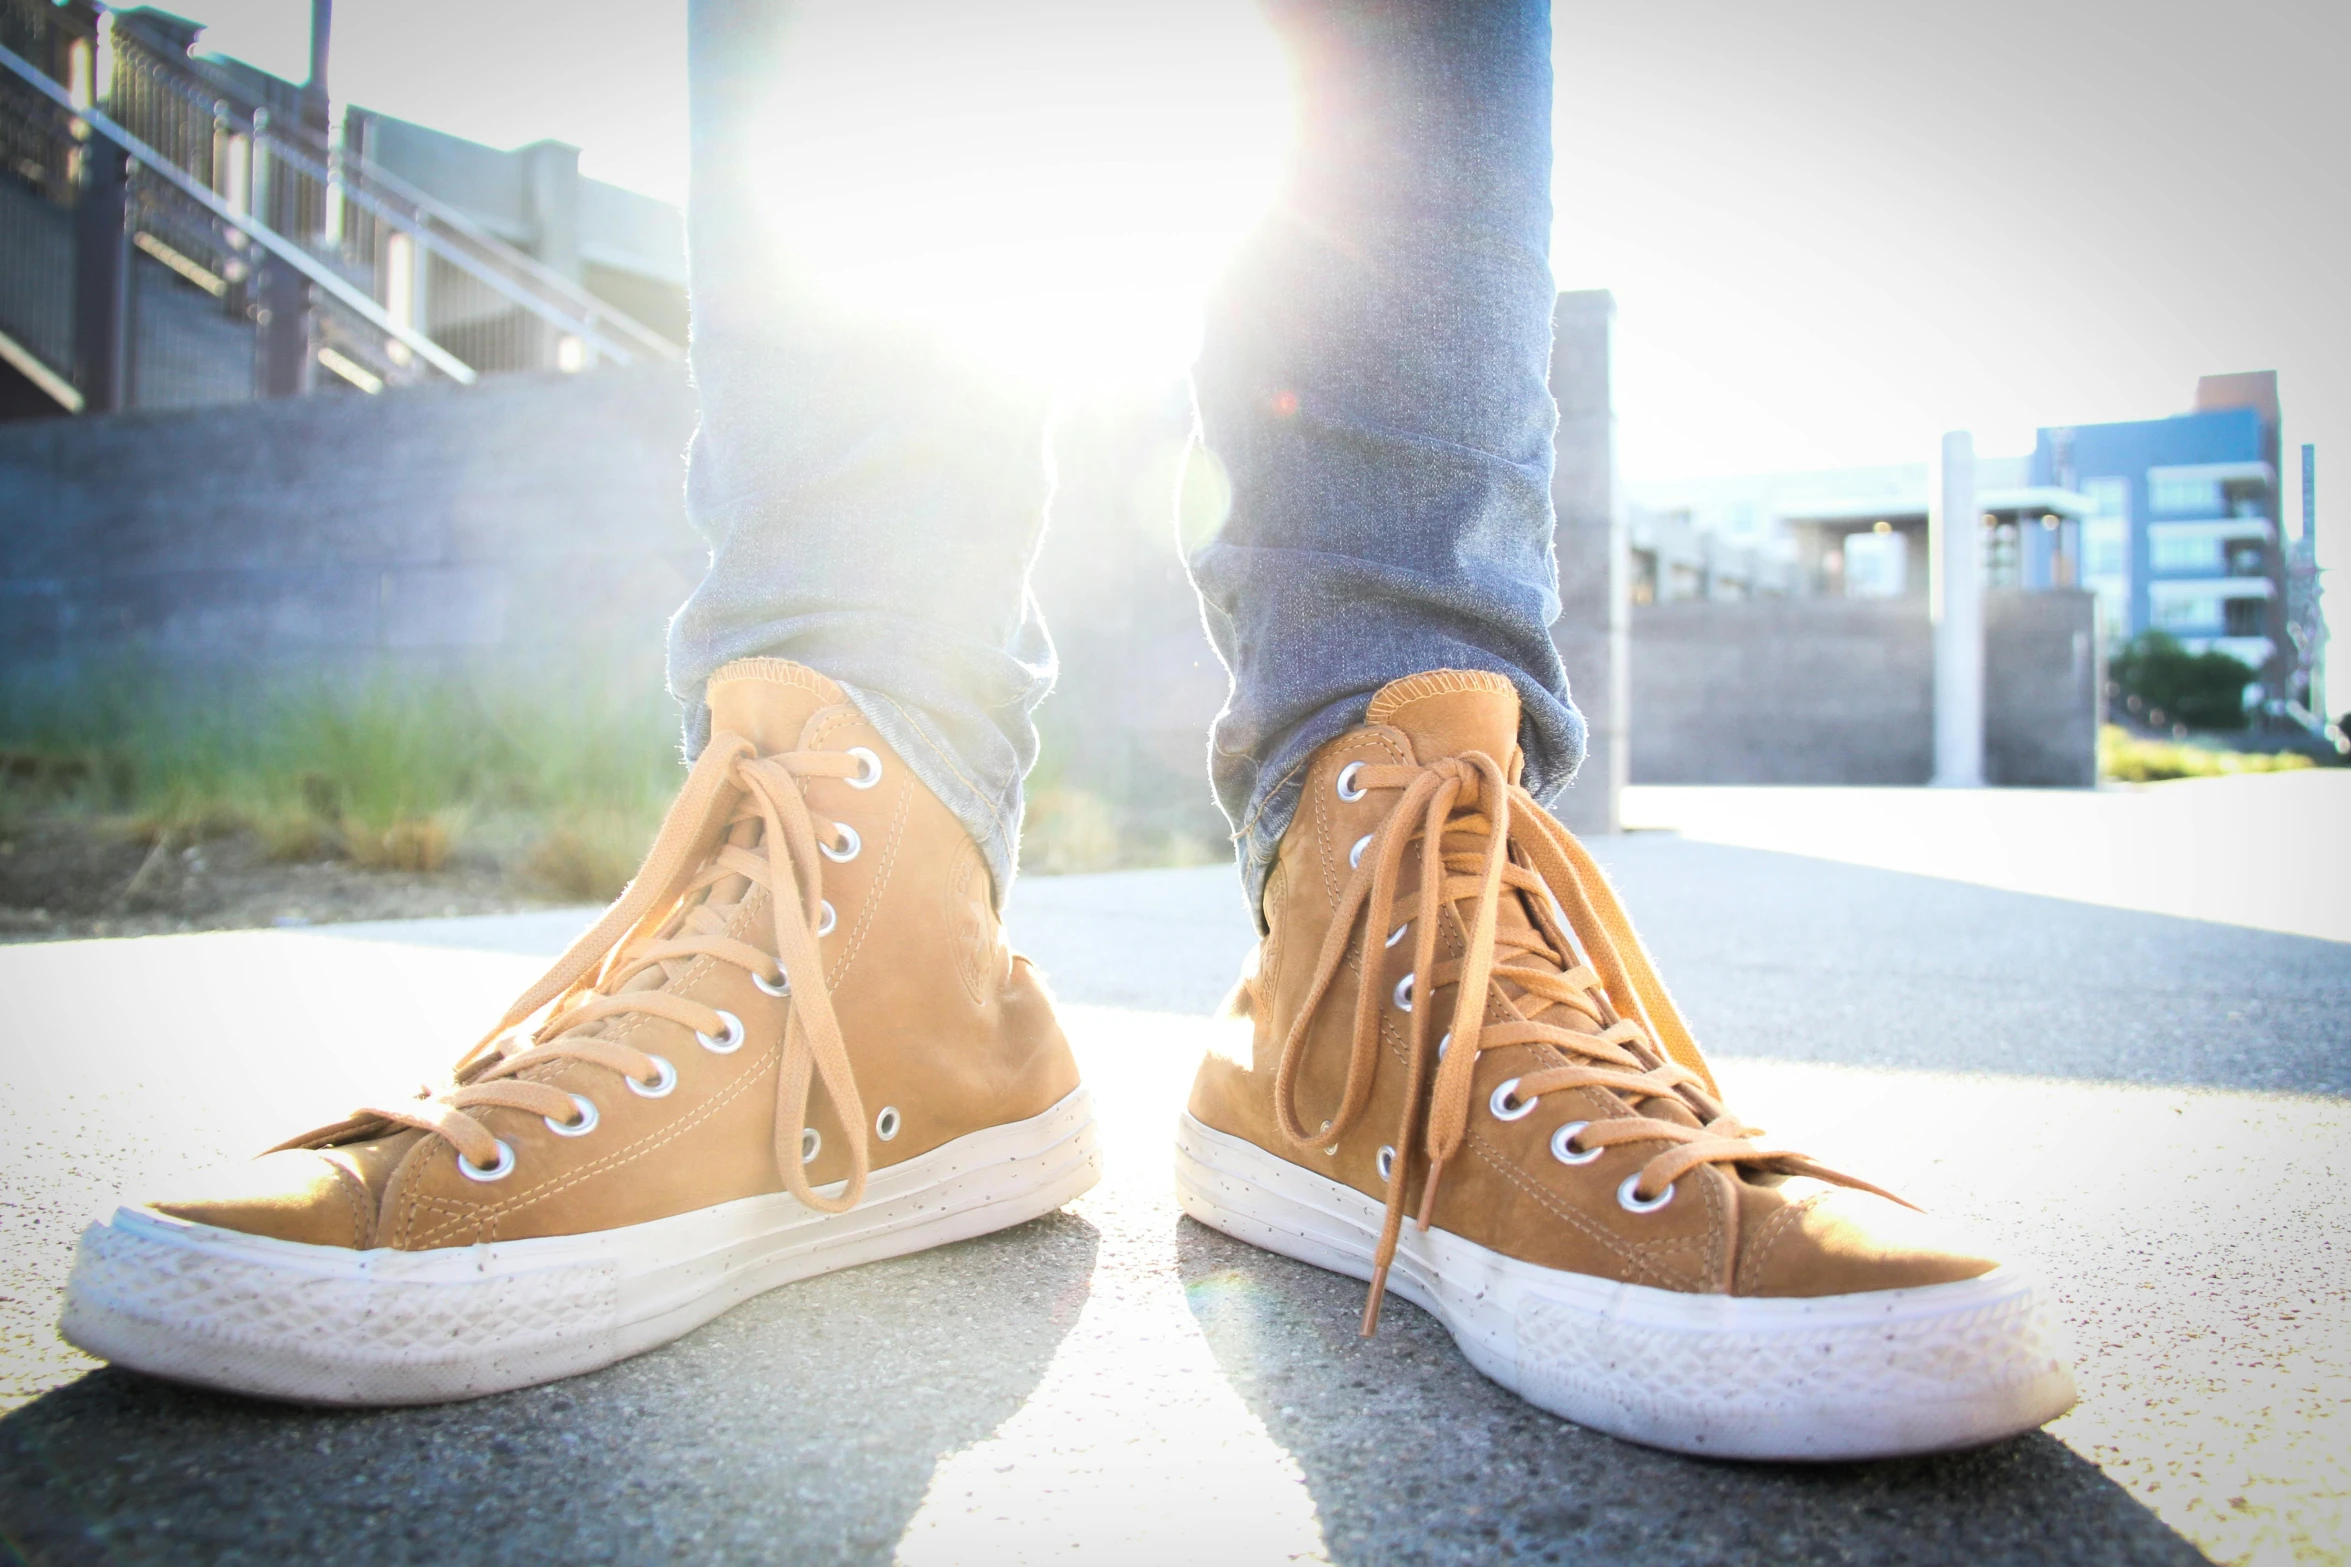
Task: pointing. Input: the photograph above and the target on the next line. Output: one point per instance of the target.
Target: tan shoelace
(730, 785)
(1469, 818)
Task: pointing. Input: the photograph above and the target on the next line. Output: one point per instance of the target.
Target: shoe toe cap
(299, 1195)
(1843, 1242)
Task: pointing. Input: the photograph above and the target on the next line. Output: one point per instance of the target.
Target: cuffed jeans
(1372, 377)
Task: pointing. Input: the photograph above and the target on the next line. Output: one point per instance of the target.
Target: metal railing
(232, 194)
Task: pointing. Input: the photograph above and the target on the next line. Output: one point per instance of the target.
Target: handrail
(515, 292)
(268, 238)
(521, 260)
(320, 162)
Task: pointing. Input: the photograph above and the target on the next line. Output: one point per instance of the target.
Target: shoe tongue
(1447, 712)
(768, 701)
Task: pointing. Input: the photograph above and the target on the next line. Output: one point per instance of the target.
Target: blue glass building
(2181, 533)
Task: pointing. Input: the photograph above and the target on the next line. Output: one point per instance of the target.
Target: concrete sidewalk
(2152, 1111)
(2271, 851)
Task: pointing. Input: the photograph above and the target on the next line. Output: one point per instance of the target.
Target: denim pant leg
(872, 506)
(1374, 378)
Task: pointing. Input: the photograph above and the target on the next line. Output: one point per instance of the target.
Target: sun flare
(1051, 185)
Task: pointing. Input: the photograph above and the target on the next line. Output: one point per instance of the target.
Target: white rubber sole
(326, 1325)
(1835, 1377)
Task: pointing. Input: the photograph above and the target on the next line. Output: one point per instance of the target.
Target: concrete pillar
(1956, 550)
(284, 360)
(551, 212)
(102, 279)
(1594, 630)
(551, 204)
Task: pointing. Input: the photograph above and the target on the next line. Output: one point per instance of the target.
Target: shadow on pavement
(802, 1426)
(1413, 1457)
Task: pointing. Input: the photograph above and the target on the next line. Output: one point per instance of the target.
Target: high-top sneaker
(1468, 1085)
(796, 1043)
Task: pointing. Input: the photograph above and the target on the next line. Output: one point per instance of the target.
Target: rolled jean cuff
(993, 820)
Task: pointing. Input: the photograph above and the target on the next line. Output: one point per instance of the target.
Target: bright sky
(1835, 228)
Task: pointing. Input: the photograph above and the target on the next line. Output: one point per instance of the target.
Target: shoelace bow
(1469, 818)
(729, 785)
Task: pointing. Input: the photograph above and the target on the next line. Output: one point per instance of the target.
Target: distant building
(2183, 534)
(1842, 533)
(2172, 523)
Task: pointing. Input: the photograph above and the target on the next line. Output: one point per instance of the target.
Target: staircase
(177, 231)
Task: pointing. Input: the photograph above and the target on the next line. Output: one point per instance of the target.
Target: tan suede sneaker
(796, 1043)
(1455, 1024)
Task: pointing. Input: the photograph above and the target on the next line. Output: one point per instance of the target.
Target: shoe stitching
(698, 968)
(1249, 823)
(1704, 1246)
(360, 1201)
(1636, 1254)
(1683, 1261)
(404, 1224)
(1432, 685)
(491, 1212)
(1750, 1276)
(1324, 845)
(995, 815)
(873, 898)
(1490, 1153)
(1269, 964)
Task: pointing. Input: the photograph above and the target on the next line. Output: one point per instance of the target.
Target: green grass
(565, 780)
(2129, 759)
(560, 781)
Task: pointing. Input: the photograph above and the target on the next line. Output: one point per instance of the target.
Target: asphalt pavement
(2155, 1112)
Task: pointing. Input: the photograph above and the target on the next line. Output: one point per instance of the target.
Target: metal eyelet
(1387, 1163)
(1566, 1154)
(873, 768)
(810, 1141)
(782, 986)
(1355, 855)
(885, 1125)
(844, 855)
(1347, 789)
(1403, 994)
(496, 1172)
(826, 919)
(728, 1043)
(1506, 1105)
(1397, 934)
(1631, 1203)
(665, 1078)
(579, 1128)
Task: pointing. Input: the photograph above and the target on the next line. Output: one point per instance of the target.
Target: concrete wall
(2044, 681)
(528, 515)
(1782, 691)
(539, 518)
(1841, 691)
